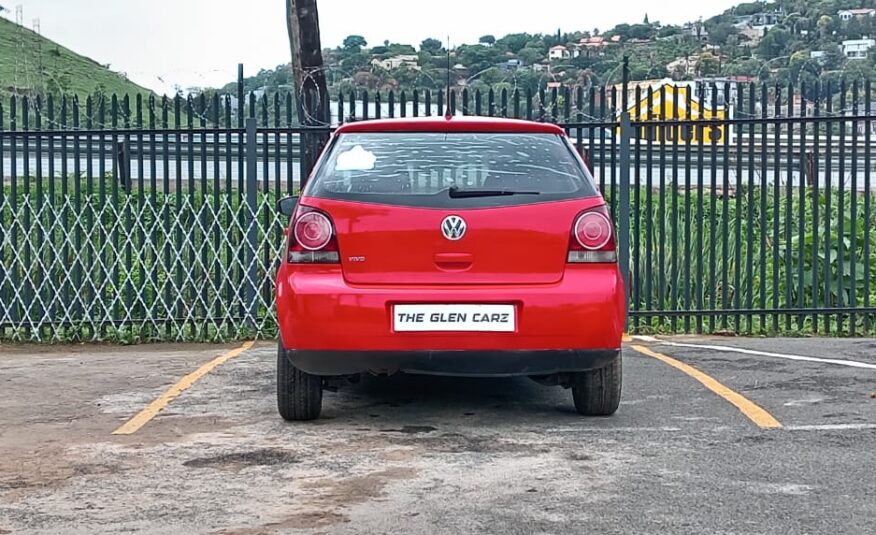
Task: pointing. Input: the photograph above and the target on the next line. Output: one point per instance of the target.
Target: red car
(450, 246)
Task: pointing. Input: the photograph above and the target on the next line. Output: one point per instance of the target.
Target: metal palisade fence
(740, 207)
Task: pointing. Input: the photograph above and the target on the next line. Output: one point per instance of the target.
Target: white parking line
(729, 349)
(831, 427)
(615, 430)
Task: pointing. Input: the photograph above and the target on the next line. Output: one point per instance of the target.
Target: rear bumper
(318, 311)
(455, 363)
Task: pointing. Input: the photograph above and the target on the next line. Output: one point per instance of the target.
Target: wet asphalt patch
(240, 460)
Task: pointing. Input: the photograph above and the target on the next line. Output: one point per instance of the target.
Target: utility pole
(38, 32)
(308, 69)
(308, 72)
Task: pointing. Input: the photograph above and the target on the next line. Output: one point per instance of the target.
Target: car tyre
(299, 394)
(598, 392)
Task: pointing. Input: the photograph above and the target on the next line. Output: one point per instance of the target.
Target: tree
(488, 40)
(833, 57)
(432, 46)
(668, 31)
(354, 43)
(854, 29)
(514, 42)
(478, 57)
(743, 67)
(537, 44)
(775, 43)
(646, 22)
(396, 48)
(491, 76)
(824, 24)
(799, 61)
(720, 33)
(708, 64)
(354, 62)
(860, 70)
(530, 56)
(634, 31)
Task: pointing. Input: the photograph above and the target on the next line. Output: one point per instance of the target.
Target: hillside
(31, 64)
(779, 42)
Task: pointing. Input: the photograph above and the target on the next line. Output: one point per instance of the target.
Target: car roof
(451, 124)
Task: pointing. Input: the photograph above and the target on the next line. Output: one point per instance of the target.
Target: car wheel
(598, 392)
(299, 394)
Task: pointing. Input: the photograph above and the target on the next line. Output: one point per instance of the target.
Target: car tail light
(592, 240)
(312, 239)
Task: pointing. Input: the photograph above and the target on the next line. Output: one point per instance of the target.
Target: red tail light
(312, 239)
(592, 240)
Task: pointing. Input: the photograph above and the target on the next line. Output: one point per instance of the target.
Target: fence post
(626, 136)
(251, 289)
(626, 130)
(123, 159)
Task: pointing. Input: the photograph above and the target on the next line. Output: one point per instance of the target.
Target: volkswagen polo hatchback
(449, 246)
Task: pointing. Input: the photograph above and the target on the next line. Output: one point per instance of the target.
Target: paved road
(438, 455)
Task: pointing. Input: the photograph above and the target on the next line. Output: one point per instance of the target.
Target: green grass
(31, 64)
(127, 260)
(771, 257)
(699, 267)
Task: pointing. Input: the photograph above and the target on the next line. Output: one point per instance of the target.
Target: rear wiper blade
(456, 193)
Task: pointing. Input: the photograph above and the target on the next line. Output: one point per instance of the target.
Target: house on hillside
(559, 52)
(846, 15)
(682, 67)
(592, 46)
(461, 72)
(752, 36)
(409, 60)
(512, 65)
(763, 20)
(696, 30)
(857, 48)
(593, 42)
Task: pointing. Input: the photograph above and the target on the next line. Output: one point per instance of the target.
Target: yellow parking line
(627, 338)
(751, 410)
(151, 410)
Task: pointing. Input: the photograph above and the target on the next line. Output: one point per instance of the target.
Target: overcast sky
(163, 43)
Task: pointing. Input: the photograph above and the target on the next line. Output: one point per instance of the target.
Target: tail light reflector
(312, 239)
(592, 240)
(313, 231)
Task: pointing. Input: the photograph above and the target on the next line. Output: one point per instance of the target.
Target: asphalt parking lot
(440, 455)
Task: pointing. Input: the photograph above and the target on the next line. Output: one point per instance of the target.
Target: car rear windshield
(451, 169)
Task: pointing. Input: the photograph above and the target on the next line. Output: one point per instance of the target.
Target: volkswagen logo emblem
(453, 227)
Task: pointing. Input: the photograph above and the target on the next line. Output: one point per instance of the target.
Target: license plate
(454, 318)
